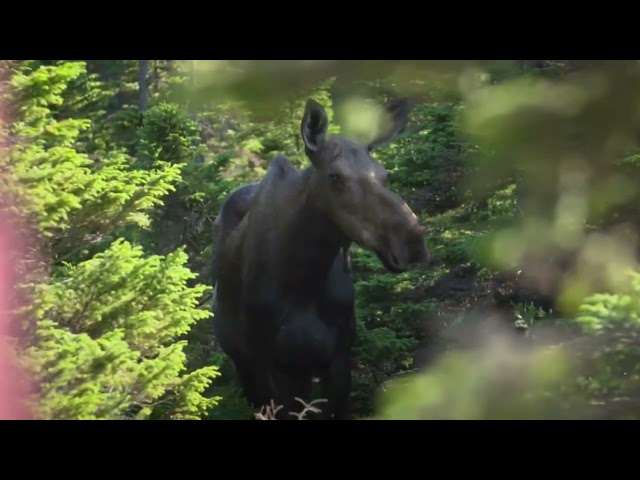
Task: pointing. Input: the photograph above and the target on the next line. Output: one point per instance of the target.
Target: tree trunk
(143, 85)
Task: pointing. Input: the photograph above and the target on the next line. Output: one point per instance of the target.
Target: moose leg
(337, 387)
(252, 384)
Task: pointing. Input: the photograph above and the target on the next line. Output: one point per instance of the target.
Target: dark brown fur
(284, 303)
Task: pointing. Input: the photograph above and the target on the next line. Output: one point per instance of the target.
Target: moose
(284, 300)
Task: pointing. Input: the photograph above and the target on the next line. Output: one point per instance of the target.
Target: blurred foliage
(524, 172)
(488, 385)
(593, 375)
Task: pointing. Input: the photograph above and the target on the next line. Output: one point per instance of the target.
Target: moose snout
(407, 249)
(400, 243)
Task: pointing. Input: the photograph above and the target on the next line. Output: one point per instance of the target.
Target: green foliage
(108, 338)
(38, 88)
(612, 321)
(167, 135)
(431, 154)
(108, 342)
(76, 199)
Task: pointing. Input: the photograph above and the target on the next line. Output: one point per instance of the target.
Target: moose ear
(393, 122)
(314, 125)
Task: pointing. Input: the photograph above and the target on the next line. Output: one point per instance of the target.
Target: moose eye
(335, 178)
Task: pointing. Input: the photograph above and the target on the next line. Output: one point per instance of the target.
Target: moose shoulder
(284, 303)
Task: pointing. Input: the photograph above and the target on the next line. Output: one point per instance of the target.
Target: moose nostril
(394, 259)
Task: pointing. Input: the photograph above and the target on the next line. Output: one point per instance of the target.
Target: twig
(268, 412)
(308, 407)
